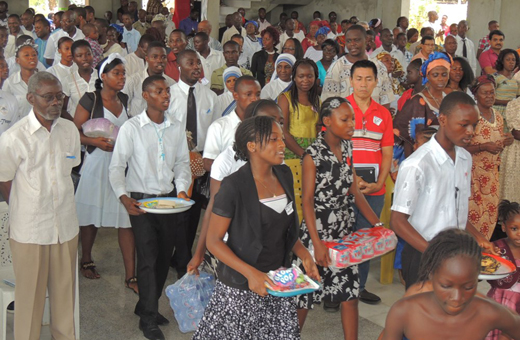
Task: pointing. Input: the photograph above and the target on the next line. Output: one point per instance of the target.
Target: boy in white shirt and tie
(154, 147)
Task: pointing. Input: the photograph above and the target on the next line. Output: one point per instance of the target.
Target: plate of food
(165, 205)
(495, 267)
(291, 282)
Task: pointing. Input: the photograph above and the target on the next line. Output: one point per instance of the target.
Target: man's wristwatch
(379, 224)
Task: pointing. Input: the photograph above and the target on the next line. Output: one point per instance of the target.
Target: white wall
(387, 10)
(480, 12)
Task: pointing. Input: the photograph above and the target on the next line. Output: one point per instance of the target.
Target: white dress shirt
(284, 37)
(221, 134)
(77, 87)
(18, 88)
(213, 43)
(231, 31)
(471, 52)
(433, 189)
(8, 111)
(215, 60)
(10, 47)
(41, 204)
(63, 72)
(207, 108)
(51, 51)
(152, 165)
(134, 90)
(395, 53)
(225, 164)
(262, 25)
(15, 67)
(134, 64)
(131, 39)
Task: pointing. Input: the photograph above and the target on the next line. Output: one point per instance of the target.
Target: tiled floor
(106, 306)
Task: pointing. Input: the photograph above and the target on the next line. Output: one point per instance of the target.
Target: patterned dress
(510, 169)
(507, 89)
(483, 203)
(334, 219)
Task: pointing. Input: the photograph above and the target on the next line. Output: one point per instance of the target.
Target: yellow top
(302, 121)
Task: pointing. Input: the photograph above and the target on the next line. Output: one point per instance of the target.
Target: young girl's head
(111, 72)
(304, 76)
(413, 72)
(337, 116)
(452, 263)
(82, 54)
(265, 107)
(509, 217)
(259, 138)
(65, 50)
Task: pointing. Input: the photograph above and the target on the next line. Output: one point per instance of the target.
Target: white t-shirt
(225, 164)
(51, 51)
(221, 134)
(8, 111)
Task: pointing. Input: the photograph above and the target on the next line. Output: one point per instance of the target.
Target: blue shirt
(188, 25)
(131, 39)
(42, 44)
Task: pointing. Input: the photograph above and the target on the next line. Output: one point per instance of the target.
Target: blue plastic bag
(189, 296)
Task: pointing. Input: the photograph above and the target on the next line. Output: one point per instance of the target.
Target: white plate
(183, 205)
(506, 268)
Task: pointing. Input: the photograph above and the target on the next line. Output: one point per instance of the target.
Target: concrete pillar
(63, 5)
(214, 17)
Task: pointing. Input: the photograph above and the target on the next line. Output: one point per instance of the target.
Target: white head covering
(283, 58)
(110, 59)
(231, 71)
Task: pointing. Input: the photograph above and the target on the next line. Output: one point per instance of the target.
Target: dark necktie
(191, 121)
(464, 49)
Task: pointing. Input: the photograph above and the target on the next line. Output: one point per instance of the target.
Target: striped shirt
(373, 131)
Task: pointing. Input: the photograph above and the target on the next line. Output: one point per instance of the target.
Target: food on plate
(161, 204)
(489, 265)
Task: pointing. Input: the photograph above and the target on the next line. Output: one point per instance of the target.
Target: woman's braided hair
(445, 245)
(253, 129)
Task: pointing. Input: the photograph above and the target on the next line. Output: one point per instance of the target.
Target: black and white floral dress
(334, 219)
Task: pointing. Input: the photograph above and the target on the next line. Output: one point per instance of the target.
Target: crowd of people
(365, 113)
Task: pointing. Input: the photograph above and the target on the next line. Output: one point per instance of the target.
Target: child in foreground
(507, 290)
(451, 311)
(329, 195)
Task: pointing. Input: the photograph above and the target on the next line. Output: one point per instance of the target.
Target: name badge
(289, 208)
(377, 121)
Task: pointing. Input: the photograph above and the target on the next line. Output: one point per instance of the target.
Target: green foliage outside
(419, 12)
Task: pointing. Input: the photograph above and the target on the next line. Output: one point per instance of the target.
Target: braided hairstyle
(314, 97)
(446, 245)
(256, 108)
(507, 210)
(327, 108)
(253, 129)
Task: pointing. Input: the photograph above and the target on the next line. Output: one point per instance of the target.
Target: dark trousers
(155, 237)
(410, 259)
(190, 220)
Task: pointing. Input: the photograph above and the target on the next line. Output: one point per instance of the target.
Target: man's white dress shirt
(156, 155)
(41, 204)
(433, 189)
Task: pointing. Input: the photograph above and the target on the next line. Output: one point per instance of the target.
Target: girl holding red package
(329, 195)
